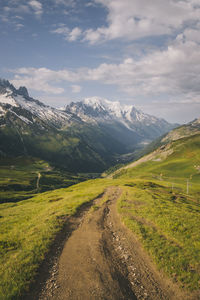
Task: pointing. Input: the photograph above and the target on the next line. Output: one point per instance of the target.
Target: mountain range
(157, 197)
(85, 136)
(127, 124)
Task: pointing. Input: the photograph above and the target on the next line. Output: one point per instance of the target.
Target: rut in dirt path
(101, 260)
(84, 272)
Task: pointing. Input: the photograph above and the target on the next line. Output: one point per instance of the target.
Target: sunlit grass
(160, 203)
(18, 178)
(27, 229)
(168, 225)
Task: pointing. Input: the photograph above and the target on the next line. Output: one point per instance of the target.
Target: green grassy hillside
(27, 229)
(79, 148)
(175, 162)
(160, 203)
(23, 177)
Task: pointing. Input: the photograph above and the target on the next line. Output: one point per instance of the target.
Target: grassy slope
(155, 207)
(82, 148)
(158, 209)
(167, 225)
(181, 163)
(28, 227)
(18, 178)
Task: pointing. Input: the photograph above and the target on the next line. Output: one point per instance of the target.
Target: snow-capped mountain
(99, 109)
(28, 127)
(19, 103)
(103, 111)
(86, 136)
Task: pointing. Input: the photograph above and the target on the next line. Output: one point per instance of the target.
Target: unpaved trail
(102, 260)
(38, 181)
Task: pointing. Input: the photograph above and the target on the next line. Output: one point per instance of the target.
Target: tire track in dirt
(101, 259)
(83, 271)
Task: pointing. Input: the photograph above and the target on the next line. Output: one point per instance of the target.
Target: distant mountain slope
(87, 136)
(28, 127)
(177, 155)
(127, 124)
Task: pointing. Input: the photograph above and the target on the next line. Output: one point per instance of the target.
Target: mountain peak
(93, 101)
(113, 107)
(105, 112)
(102, 102)
(23, 91)
(5, 85)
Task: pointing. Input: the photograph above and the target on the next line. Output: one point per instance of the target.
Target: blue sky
(140, 52)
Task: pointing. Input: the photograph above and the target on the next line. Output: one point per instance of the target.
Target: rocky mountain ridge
(104, 111)
(87, 136)
(18, 102)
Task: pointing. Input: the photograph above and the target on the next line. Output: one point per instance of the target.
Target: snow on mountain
(103, 110)
(123, 122)
(17, 101)
(7, 99)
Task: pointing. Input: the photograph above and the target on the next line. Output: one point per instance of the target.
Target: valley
(156, 224)
(23, 177)
(86, 137)
(75, 221)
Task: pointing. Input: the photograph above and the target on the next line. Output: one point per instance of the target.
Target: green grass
(181, 163)
(154, 205)
(18, 178)
(27, 228)
(168, 225)
(165, 216)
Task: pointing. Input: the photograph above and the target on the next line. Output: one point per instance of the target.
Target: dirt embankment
(102, 260)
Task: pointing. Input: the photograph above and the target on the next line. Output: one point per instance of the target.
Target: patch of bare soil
(101, 259)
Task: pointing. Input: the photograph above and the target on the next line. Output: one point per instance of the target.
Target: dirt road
(102, 260)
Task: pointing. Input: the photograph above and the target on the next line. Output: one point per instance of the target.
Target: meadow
(167, 224)
(27, 229)
(160, 203)
(19, 178)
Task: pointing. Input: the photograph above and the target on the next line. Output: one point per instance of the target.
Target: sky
(139, 52)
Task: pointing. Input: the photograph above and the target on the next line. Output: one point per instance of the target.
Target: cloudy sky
(140, 52)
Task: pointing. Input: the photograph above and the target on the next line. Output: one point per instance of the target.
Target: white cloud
(190, 34)
(15, 8)
(132, 19)
(74, 34)
(76, 88)
(37, 79)
(90, 4)
(67, 3)
(174, 71)
(62, 30)
(36, 6)
(18, 26)
(70, 36)
(19, 17)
